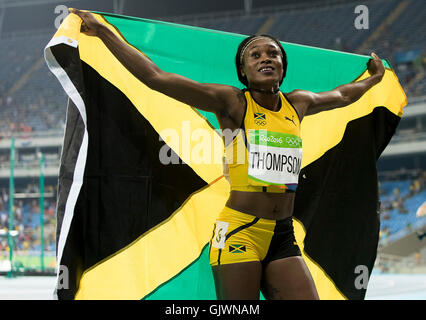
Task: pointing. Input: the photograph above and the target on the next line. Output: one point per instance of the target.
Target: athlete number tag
(274, 158)
(219, 237)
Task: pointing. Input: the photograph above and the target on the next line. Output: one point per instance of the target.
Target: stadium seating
(29, 93)
(242, 25)
(405, 35)
(333, 28)
(396, 220)
(321, 27)
(389, 186)
(39, 102)
(406, 30)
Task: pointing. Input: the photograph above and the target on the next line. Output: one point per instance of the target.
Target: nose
(265, 57)
(266, 61)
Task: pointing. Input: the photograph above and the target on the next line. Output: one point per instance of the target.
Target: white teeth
(266, 68)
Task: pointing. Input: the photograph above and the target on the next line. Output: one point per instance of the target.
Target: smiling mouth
(266, 69)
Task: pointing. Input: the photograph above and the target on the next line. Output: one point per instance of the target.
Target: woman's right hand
(90, 25)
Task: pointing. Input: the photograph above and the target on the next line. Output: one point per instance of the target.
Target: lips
(266, 69)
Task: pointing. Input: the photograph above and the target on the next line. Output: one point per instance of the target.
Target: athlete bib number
(274, 158)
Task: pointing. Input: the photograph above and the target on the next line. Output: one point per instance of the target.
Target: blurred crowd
(38, 115)
(26, 220)
(31, 98)
(396, 202)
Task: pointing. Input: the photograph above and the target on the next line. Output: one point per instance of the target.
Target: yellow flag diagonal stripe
(174, 116)
(180, 239)
(319, 138)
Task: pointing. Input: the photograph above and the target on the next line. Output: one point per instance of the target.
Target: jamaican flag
(133, 226)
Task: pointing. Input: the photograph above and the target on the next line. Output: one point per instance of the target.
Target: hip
(241, 237)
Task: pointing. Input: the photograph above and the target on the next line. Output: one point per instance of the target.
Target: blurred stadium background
(33, 108)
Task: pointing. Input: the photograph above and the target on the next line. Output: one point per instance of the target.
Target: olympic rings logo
(292, 141)
(260, 122)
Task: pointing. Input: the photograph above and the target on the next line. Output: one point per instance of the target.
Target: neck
(269, 99)
(264, 91)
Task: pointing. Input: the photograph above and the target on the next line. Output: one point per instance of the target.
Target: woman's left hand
(375, 66)
(90, 26)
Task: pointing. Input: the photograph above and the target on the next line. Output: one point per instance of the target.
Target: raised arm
(310, 103)
(209, 97)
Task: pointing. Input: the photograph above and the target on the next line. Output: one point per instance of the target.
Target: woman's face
(262, 63)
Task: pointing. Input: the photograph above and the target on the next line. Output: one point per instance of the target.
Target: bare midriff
(275, 206)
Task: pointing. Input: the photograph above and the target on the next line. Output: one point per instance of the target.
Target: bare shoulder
(234, 107)
(239, 96)
(299, 95)
(231, 92)
(300, 99)
(232, 97)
